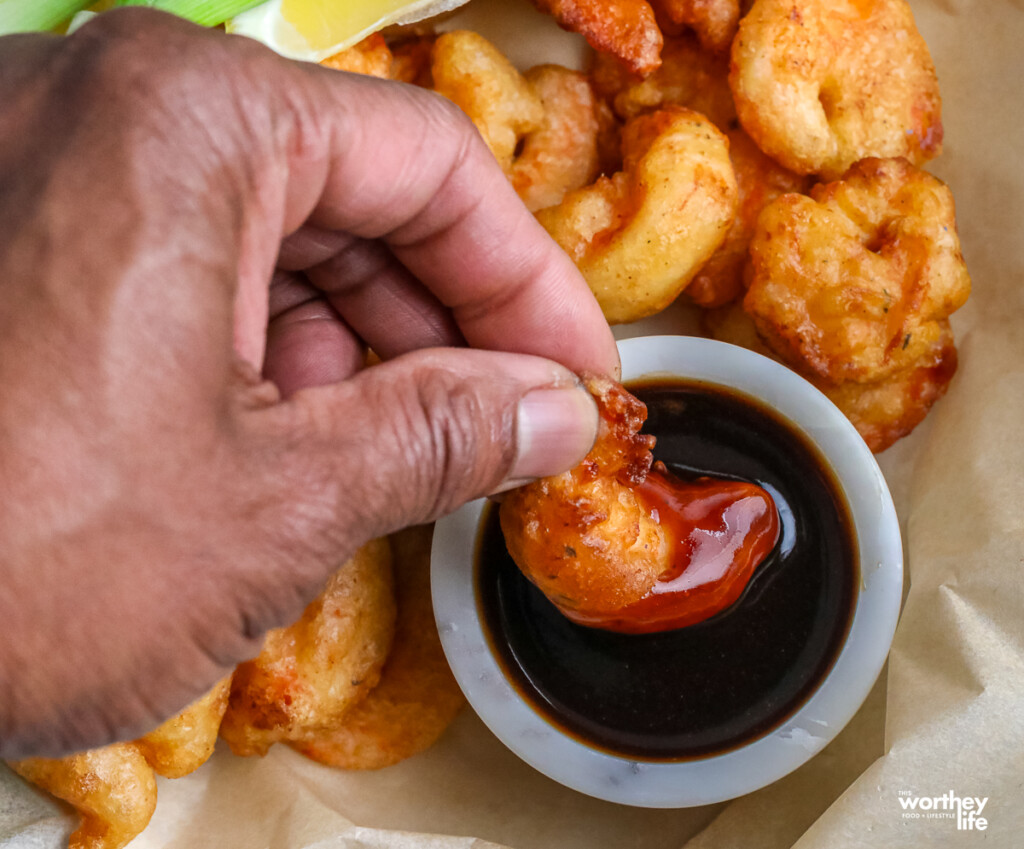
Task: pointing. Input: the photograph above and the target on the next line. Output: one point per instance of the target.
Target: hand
(164, 503)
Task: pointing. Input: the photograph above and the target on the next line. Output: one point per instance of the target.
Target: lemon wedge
(312, 30)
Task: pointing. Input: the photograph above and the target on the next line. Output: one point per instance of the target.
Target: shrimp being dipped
(621, 544)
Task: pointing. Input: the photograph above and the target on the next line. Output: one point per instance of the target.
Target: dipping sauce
(709, 687)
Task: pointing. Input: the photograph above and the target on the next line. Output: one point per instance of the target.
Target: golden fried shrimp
(113, 789)
(185, 742)
(584, 537)
(759, 179)
(619, 544)
(714, 21)
(561, 154)
(883, 411)
(371, 57)
(410, 62)
(311, 672)
(689, 76)
(417, 697)
(640, 236)
(821, 84)
(476, 77)
(625, 29)
(853, 282)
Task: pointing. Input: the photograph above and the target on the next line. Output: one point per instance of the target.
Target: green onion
(207, 13)
(31, 15)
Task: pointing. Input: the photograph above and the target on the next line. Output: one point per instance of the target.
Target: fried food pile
(360, 681)
(768, 166)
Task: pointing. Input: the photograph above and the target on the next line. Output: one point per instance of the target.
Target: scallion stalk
(207, 13)
(33, 15)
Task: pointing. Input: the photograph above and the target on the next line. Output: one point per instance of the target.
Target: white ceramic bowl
(659, 784)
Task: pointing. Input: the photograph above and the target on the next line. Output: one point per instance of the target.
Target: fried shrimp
(821, 84)
(417, 697)
(113, 788)
(311, 672)
(883, 411)
(641, 235)
(759, 180)
(689, 76)
(620, 544)
(626, 29)
(562, 153)
(854, 282)
(371, 57)
(476, 77)
(714, 21)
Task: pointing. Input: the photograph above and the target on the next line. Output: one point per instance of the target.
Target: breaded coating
(714, 21)
(641, 235)
(625, 29)
(854, 282)
(583, 537)
(112, 788)
(311, 672)
(476, 77)
(185, 742)
(561, 154)
(370, 56)
(417, 697)
(821, 84)
(882, 412)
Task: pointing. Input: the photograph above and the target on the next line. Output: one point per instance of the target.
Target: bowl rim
(715, 778)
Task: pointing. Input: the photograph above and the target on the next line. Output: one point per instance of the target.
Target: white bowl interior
(765, 759)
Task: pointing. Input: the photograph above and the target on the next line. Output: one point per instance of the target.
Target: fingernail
(555, 430)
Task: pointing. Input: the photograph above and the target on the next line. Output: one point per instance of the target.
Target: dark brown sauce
(713, 686)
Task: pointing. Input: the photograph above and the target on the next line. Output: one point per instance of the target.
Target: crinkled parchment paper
(947, 716)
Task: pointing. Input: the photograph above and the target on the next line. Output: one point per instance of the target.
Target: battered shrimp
(410, 62)
(882, 412)
(370, 56)
(619, 544)
(562, 153)
(473, 74)
(640, 236)
(854, 282)
(113, 788)
(714, 21)
(821, 84)
(417, 697)
(625, 29)
(311, 672)
(689, 76)
(760, 180)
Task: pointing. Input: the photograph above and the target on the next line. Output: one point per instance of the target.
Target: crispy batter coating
(112, 788)
(417, 697)
(626, 29)
(370, 56)
(583, 537)
(689, 76)
(853, 283)
(561, 154)
(883, 411)
(821, 84)
(311, 672)
(474, 75)
(411, 60)
(714, 21)
(759, 180)
(185, 742)
(640, 236)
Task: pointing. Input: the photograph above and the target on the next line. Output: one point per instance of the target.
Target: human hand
(164, 504)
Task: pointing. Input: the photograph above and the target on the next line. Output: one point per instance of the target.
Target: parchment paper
(947, 716)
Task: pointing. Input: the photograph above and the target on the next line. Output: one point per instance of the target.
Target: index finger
(387, 161)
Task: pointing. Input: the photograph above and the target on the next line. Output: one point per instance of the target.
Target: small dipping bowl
(799, 736)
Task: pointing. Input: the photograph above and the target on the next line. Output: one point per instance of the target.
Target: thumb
(412, 439)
